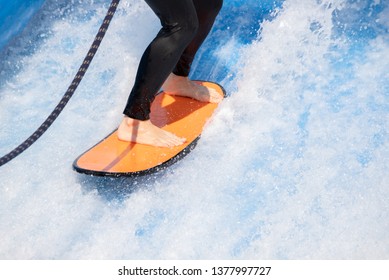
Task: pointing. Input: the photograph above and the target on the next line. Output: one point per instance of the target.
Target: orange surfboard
(182, 116)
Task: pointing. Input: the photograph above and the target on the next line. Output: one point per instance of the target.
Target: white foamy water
(294, 165)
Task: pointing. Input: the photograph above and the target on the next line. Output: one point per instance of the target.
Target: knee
(182, 31)
(193, 25)
(188, 29)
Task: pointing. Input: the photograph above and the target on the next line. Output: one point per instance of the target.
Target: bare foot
(144, 132)
(182, 86)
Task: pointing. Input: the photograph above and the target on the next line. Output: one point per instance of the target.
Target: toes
(214, 96)
(171, 140)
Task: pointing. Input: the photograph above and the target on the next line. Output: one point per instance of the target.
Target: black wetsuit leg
(206, 10)
(185, 24)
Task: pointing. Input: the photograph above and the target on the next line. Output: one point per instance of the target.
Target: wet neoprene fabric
(185, 25)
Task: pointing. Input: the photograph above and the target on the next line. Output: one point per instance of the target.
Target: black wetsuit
(185, 25)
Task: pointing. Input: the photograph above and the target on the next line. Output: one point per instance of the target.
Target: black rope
(69, 93)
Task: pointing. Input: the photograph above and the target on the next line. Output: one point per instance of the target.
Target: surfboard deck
(182, 116)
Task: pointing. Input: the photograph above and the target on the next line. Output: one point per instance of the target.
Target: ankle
(174, 80)
(130, 122)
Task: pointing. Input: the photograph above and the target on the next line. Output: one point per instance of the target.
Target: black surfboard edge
(149, 171)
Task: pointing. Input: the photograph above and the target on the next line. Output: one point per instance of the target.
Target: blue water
(14, 16)
(294, 165)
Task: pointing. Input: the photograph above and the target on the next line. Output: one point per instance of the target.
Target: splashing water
(293, 165)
